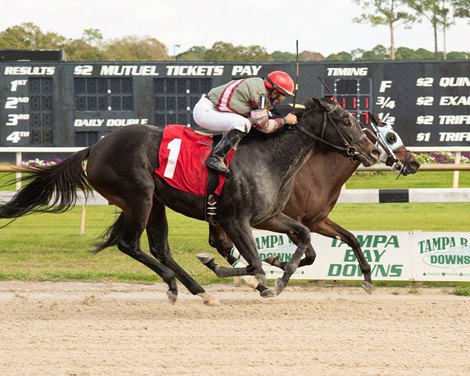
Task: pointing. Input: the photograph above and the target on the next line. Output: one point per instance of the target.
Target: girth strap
(212, 198)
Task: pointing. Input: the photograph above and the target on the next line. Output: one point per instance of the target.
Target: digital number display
(355, 95)
(103, 94)
(176, 97)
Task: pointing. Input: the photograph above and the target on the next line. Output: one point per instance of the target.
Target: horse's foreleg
(284, 224)
(333, 230)
(309, 258)
(240, 234)
(157, 234)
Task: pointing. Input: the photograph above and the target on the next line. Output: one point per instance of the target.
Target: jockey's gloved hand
(290, 119)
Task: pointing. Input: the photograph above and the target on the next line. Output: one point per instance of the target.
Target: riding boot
(220, 151)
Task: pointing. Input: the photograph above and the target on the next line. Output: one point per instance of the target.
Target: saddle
(182, 155)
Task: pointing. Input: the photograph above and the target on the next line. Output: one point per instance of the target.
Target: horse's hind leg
(333, 230)
(135, 221)
(157, 233)
(218, 239)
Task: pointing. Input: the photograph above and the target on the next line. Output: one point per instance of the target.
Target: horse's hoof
(368, 287)
(205, 257)
(268, 293)
(172, 296)
(280, 285)
(209, 299)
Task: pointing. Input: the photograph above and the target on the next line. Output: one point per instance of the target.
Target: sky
(319, 26)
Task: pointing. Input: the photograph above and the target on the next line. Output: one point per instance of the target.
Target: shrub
(441, 157)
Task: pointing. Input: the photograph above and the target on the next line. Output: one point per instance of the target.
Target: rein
(349, 149)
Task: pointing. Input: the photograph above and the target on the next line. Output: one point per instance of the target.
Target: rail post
(18, 174)
(455, 184)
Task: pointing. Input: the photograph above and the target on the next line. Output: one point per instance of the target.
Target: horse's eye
(391, 138)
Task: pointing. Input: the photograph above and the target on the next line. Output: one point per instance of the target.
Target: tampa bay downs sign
(417, 256)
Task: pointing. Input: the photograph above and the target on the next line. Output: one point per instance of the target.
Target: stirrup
(216, 164)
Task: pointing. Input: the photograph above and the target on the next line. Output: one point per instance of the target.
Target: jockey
(235, 107)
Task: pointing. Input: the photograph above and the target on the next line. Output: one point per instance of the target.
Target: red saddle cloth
(182, 157)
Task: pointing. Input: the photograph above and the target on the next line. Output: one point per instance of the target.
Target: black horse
(121, 167)
(316, 189)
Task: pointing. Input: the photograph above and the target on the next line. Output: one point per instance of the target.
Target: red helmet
(281, 82)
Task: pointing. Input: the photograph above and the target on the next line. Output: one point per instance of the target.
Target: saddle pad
(182, 157)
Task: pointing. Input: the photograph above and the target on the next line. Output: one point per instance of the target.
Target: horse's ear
(376, 119)
(309, 104)
(324, 103)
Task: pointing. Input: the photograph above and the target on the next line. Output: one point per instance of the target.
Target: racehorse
(121, 167)
(316, 189)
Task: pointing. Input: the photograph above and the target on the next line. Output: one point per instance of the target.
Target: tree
(461, 9)
(458, 55)
(378, 53)
(196, 53)
(441, 14)
(282, 56)
(357, 53)
(132, 48)
(80, 50)
(87, 48)
(404, 53)
(434, 12)
(388, 13)
(340, 56)
(223, 51)
(254, 53)
(92, 36)
(423, 54)
(29, 36)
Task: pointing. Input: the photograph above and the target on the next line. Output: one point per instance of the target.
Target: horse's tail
(50, 189)
(111, 236)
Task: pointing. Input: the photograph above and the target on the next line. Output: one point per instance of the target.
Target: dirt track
(130, 329)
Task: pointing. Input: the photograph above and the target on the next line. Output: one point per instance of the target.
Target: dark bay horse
(121, 168)
(316, 189)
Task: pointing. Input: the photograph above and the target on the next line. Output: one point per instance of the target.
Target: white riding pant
(206, 116)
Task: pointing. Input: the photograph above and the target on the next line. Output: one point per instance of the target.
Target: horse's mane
(282, 110)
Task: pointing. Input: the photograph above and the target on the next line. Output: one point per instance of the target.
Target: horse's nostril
(376, 154)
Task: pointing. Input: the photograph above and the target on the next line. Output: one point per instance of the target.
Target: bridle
(348, 146)
(397, 165)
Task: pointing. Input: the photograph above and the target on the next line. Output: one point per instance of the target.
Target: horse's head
(392, 150)
(340, 130)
